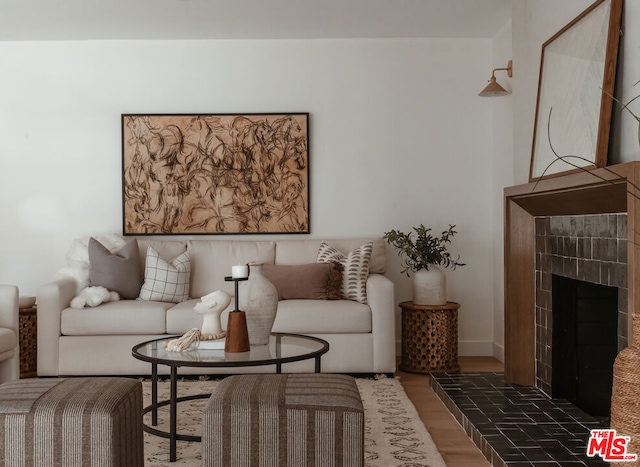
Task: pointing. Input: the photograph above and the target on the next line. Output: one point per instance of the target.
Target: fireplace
(560, 199)
(584, 343)
(581, 306)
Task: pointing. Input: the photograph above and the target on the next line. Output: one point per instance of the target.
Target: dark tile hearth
(516, 425)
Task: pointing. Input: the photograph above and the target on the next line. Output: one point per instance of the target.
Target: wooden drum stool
(429, 338)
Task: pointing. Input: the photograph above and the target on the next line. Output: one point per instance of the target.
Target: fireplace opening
(584, 343)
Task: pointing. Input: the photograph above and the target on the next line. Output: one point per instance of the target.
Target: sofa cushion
(322, 317)
(118, 271)
(181, 317)
(8, 340)
(356, 269)
(166, 281)
(122, 317)
(316, 281)
(306, 251)
(165, 248)
(211, 262)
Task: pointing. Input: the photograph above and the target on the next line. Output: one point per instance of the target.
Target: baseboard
(471, 349)
(475, 348)
(498, 351)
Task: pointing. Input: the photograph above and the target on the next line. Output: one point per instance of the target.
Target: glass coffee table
(282, 348)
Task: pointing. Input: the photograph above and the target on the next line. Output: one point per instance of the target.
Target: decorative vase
(259, 300)
(625, 396)
(429, 287)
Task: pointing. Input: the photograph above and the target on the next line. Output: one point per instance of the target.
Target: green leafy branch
(424, 250)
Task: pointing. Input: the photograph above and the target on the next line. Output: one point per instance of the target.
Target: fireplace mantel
(597, 192)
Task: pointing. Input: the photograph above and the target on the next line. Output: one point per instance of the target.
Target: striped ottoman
(295, 420)
(71, 422)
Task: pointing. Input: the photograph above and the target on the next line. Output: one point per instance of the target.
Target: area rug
(394, 434)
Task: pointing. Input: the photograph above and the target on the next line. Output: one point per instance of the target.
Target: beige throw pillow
(356, 269)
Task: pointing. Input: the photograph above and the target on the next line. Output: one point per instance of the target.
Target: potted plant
(422, 255)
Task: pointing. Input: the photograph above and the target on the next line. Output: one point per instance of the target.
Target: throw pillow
(166, 281)
(119, 271)
(315, 281)
(356, 269)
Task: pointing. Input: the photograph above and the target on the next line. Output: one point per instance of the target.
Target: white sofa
(98, 341)
(9, 354)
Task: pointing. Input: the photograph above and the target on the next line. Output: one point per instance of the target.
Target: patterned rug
(394, 434)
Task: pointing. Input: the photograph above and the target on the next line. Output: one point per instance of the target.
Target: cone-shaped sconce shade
(493, 89)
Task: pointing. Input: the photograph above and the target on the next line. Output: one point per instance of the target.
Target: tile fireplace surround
(590, 248)
(576, 194)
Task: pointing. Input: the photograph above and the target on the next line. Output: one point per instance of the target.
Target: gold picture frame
(215, 173)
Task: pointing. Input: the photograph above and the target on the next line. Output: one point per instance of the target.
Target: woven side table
(28, 342)
(429, 338)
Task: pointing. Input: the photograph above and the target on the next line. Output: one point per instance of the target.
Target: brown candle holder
(237, 339)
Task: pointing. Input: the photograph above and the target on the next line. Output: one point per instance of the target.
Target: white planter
(429, 287)
(258, 298)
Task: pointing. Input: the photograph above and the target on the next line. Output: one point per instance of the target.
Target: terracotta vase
(258, 298)
(429, 287)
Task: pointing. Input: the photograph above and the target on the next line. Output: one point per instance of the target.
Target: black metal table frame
(172, 435)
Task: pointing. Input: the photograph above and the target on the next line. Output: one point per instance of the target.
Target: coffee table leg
(154, 394)
(318, 364)
(173, 414)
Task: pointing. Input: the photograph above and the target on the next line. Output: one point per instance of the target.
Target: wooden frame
(215, 173)
(575, 89)
(598, 192)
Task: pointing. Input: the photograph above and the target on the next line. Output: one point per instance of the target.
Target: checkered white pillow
(166, 281)
(356, 269)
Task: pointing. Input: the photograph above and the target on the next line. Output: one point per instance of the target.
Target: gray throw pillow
(118, 271)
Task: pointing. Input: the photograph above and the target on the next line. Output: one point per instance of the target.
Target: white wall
(398, 137)
(502, 167)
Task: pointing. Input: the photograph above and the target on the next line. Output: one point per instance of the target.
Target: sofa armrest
(9, 307)
(52, 299)
(380, 298)
(10, 365)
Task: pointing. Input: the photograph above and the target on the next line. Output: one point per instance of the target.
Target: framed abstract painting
(575, 93)
(215, 173)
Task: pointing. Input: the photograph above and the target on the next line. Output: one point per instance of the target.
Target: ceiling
(27, 20)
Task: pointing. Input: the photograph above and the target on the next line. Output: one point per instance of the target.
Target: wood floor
(453, 443)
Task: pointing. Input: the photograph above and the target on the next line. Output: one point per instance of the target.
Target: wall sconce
(493, 89)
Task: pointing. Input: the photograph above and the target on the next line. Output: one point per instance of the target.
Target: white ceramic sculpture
(211, 307)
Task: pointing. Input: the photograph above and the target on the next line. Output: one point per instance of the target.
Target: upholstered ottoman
(71, 422)
(294, 420)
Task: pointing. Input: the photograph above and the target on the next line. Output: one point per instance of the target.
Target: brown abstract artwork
(215, 174)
